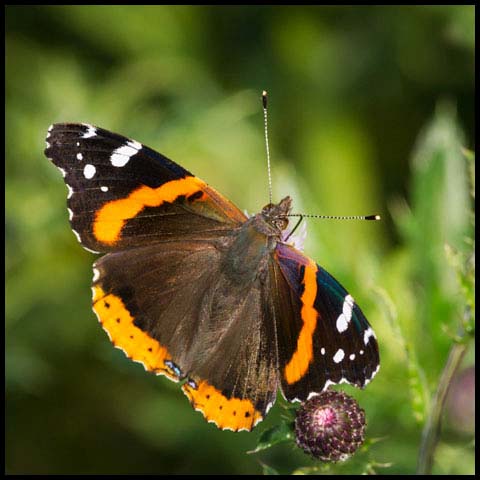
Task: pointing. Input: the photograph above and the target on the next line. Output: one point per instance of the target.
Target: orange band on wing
(303, 355)
(137, 345)
(227, 413)
(111, 218)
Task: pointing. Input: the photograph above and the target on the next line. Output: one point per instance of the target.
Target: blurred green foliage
(369, 110)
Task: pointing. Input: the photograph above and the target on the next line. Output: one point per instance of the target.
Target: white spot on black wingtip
(63, 171)
(70, 191)
(348, 305)
(339, 356)
(91, 131)
(121, 156)
(342, 323)
(368, 380)
(49, 131)
(96, 274)
(89, 171)
(79, 156)
(78, 144)
(346, 315)
(367, 334)
(70, 214)
(322, 351)
(104, 189)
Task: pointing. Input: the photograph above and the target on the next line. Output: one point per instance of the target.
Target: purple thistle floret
(330, 426)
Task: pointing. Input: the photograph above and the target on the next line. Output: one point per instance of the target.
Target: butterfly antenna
(265, 120)
(336, 217)
(330, 217)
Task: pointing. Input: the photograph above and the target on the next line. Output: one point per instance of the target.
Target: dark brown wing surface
(174, 310)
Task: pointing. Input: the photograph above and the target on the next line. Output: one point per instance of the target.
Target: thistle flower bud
(330, 426)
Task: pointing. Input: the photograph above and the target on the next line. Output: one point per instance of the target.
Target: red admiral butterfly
(196, 291)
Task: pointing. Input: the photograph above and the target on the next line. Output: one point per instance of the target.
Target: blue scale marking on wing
(172, 166)
(326, 282)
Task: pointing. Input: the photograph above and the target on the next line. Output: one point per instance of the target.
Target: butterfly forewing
(323, 336)
(123, 194)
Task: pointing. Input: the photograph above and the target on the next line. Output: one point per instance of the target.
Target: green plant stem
(432, 427)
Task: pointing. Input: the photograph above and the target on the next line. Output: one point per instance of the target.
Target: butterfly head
(275, 214)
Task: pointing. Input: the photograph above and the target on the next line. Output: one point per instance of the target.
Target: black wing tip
(63, 127)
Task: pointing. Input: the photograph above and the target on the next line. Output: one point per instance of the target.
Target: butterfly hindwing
(323, 336)
(242, 359)
(174, 309)
(123, 194)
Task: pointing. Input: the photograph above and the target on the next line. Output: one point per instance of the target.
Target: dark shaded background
(354, 91)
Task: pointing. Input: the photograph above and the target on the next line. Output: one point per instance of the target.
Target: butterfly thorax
(250, 250)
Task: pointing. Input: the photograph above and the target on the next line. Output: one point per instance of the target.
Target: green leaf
(440, 214)
(418, 389)
(321, 468)
(370, 467)
(277, 434)
(267, 470)
(440, 187)
(470, 156)
(419, 392)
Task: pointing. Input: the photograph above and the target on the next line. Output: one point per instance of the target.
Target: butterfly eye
(280, 223)
(266, 209)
